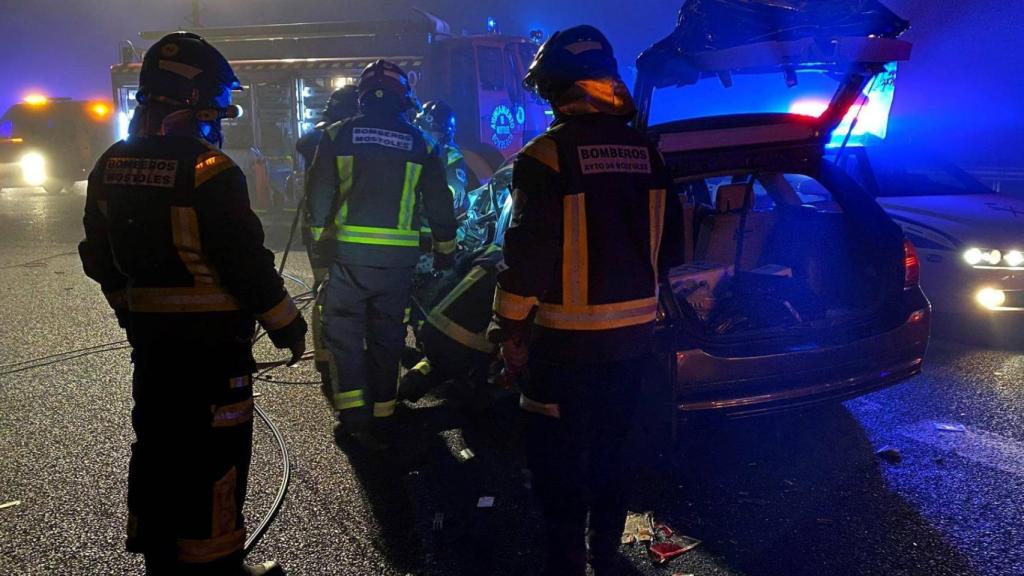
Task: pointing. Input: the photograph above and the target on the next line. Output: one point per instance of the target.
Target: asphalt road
(800, 494)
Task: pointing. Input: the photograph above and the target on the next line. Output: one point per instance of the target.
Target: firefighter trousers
(580, 461)
(364, 329)
(190, 461)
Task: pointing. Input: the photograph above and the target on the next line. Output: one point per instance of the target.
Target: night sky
(962, 92)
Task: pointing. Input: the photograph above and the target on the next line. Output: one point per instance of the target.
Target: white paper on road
(985, 448)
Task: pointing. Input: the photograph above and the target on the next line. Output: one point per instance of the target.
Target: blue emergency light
(492, 25)
(868, 118)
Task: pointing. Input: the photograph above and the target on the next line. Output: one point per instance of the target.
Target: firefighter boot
(349, 423)
(265, 569)
(416, 382)
(378, 437)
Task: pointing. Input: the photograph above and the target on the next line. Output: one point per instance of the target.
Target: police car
(970, 240)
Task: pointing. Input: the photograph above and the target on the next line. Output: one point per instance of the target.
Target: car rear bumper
(748, 386)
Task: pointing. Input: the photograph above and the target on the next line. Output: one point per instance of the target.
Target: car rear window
(770, 190)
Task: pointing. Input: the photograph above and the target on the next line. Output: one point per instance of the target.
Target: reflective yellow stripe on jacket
(513, 306)
(403, 234)
(449, 327)
(575, 312)
(280, 316)
(209, 165)
(181, 299)
(185, 232)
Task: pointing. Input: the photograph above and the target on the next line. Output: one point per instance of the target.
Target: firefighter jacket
(169, 232)
(460, 179)
(464, 313)
(460, 182)
(594, 227)
(307, 144)
(372, 177)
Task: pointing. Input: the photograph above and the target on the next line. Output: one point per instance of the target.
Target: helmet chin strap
(214, 114)
(209, 122)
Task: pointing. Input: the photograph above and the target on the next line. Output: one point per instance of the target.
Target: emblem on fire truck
(503, 125)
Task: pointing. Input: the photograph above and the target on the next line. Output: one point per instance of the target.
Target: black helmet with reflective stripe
(385, 81)
(437, 118)
(343, 103)
(577, 53)
(184, 71)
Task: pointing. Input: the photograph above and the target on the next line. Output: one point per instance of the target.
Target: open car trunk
(785, 250)
(850, 40)
(780, 260)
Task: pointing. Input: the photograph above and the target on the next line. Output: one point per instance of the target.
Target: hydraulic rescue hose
(282, 489)
(286, 465)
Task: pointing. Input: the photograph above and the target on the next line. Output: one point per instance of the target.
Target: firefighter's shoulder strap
(543, 149)
(210, 164)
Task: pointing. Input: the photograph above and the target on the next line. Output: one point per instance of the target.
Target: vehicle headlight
(1014, 258)
(991, 298)
(33, 169)
(976, 256)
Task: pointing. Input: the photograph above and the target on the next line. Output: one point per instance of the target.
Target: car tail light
(911, 265)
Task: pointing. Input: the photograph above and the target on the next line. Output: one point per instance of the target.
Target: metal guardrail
(1001, 180)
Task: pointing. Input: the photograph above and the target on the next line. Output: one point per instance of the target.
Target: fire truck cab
(52, 142)
(289, 70)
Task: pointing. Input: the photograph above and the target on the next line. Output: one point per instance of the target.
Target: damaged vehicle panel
(799, 288)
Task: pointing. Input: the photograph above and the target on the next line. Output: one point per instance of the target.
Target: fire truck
(289, 70)
(52, 142)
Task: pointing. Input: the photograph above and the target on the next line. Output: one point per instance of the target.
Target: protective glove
(443, 262)
(515, 354)
(298, 348)
(322, 252)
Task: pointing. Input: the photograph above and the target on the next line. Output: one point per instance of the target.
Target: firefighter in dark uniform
(179, 255)
(372, 176)
(454, 335)
(437, 120)
(343, 103)
(593, 227)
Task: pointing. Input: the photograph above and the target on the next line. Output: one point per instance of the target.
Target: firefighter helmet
(343, 103)
(438, 119)
(185, 71)
(578, 53)
(385, 81)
